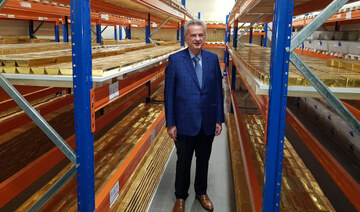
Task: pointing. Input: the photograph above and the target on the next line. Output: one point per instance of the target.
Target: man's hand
(172, 132)
(217, 130)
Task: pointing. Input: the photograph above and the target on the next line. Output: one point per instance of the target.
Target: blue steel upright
(182, 42)
(177, 34)
(129, 32)
(57, 37)
(265, 37)
(183, 2)
(82, 80)
(199, 15)
(115, 32)
(120, 32)
(147, 30)
(98, 33)
(66, 30)
(31, 29)
(251, 35)
(279, 72)
(233, 69)
(226, 53)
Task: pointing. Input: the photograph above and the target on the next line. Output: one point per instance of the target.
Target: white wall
(210, 10)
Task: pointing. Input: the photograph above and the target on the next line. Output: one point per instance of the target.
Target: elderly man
(194, 111)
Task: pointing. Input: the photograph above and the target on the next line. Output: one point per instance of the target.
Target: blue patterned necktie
(198, 70)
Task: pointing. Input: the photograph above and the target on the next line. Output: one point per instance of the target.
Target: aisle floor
(220, 185)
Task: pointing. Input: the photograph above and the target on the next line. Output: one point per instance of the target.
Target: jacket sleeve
(169, 92)
(219, 93)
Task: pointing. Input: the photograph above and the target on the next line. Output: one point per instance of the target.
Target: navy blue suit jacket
(187, 105)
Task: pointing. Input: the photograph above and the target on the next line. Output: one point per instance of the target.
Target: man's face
(195, 38)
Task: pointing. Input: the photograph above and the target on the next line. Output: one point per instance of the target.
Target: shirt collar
(192, 55)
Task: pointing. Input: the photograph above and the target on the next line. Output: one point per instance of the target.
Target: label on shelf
(153, 135)
(105, 16)
(11, 16)
(154, 24)
(114, 193)
(348, 15)
(338, 16)
(113, 91)
(40, 18)
(25, 4)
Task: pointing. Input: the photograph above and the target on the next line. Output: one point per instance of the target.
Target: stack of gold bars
(257, 61)
(107, 60)
(299, 189)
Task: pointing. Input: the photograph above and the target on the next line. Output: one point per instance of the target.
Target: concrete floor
(220, 185)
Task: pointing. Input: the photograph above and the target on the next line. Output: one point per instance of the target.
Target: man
(194, 111)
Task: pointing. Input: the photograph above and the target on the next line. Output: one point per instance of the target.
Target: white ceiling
(210, 10)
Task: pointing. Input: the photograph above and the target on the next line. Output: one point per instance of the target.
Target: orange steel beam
(21, 119)
(214, 46)
(21, 88)
(17, 183)
(353, 110)
(126, 86)
(162, 7)
(314, 54)
(341, 177)
(257, 33)
(215, 26)
(338, 17)
(122, 174)
(7, 104)
(37, 7)
(251, 179)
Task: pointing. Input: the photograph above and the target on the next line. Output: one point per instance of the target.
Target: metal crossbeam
(2, 3)
(241, 44)
(162, 24)
(38, 27)
(251, 25)
(319, 20)
(52, 191)
(104, 29)
(37, 118)
(325, 92)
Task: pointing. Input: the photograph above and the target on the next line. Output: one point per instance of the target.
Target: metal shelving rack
(85, 103)
(273, 108)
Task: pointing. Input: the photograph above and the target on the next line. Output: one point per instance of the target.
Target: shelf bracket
(38, 119)
(251, 25)
(53, 190)
(325, 92)
(319, 20)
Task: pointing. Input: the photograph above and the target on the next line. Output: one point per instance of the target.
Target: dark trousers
(185, 147)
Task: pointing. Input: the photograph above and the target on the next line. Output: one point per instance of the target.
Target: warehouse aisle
(220, 188)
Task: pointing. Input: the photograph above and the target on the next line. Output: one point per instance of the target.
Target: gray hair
(194, 22)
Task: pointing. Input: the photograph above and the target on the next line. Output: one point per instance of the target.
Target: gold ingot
(9, 70)
(24, 70)
(52, 71)
(38, 70)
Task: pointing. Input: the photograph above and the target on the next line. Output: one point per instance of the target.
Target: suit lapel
(190, 67)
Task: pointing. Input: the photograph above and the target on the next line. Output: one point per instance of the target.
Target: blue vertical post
(98, 33)
(183, 2)
(120, 32)
(199, 15)
(65, 30)
(279, 72)
(57, 37)
(182, 42)
(82, 80)
(251, 35)
(115, 32)
(178, 34)
(129, 32)
(233, 69)
(147, 30)
(265, 37)
(148, 84)
(31, 29)
(226, 41)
